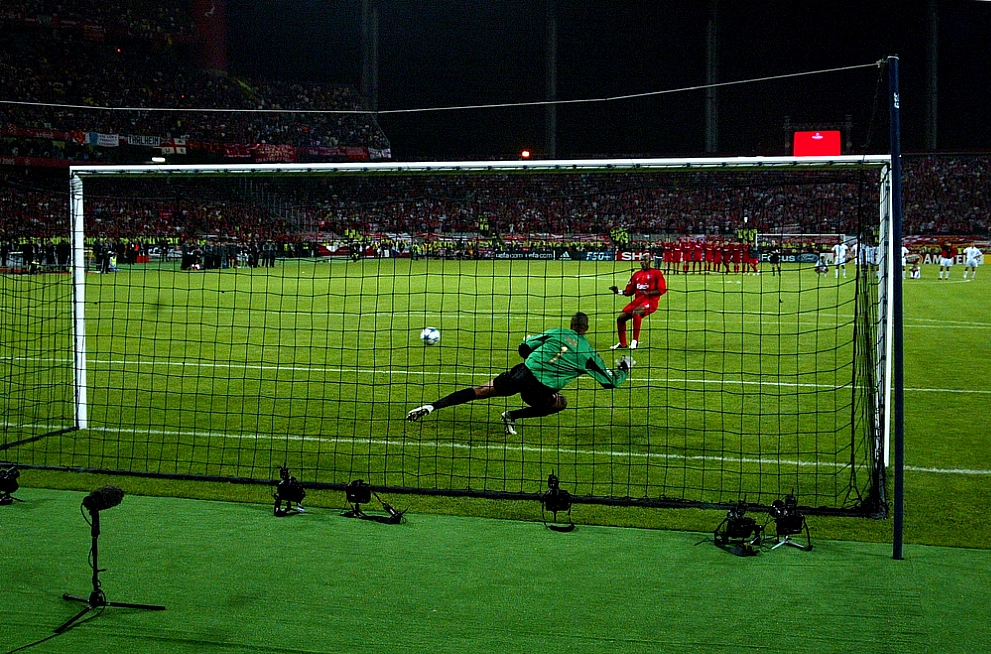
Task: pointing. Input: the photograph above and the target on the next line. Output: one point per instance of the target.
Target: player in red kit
(646, 286)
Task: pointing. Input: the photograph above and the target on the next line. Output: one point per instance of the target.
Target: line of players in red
(687, 257)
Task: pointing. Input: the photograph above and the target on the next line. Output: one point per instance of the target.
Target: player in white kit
(972, 258)
(839, 256)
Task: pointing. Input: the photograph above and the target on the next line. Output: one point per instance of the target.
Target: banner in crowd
(805, 257)
(46, 134)
(145, 141)
(173, 146)
(257, 152)
(356, 153)
(37, 162)
(266, 153)
(103, 140)
(228, 150)
(95, 33)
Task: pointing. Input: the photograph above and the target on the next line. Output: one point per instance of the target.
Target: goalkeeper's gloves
(625, 363)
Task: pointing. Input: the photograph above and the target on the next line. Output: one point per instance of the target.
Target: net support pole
(883, 351)
(896, 315)
(78, 297)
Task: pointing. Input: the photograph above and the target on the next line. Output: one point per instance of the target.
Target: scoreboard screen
(817, 144)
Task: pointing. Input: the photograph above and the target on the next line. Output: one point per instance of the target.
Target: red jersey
(644, 281)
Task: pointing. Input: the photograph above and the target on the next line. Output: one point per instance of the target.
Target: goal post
(748, 386)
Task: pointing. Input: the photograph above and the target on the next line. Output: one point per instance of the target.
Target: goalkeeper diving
(551, 361)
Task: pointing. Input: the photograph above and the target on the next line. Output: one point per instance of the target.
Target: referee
(551, 361)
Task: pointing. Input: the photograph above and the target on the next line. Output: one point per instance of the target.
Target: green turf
(236, 579)
(745, 387)
(948, 476)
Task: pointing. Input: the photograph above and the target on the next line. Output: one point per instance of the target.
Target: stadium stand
(491, 208)
(137, 56)
(108, 53)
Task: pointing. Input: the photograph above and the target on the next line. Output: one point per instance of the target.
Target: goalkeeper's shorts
(521, 380)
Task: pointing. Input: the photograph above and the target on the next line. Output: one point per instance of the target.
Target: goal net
(222, 321)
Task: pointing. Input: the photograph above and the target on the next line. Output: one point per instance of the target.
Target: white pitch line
(475, 375)
(525, 448)
(415, 373)
(948, 471)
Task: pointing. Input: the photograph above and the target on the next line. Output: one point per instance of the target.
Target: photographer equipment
(789, 521)
(395, 517)
(357, 492)
(8, 485)
(739, 533)
(101, 499)
(555, 499)
(288, 490)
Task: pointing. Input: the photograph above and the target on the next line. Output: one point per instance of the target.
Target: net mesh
(236, 323)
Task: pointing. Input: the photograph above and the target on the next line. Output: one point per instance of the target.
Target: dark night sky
(436, 53)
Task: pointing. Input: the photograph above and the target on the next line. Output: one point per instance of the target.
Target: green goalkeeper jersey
(559, 356)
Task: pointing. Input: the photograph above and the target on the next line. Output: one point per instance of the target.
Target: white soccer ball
(430, 336)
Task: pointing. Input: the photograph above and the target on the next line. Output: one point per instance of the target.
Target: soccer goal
(223, 321)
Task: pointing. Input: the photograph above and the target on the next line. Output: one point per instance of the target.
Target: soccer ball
(430, 336)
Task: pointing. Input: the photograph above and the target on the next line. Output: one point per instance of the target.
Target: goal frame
(880, 163)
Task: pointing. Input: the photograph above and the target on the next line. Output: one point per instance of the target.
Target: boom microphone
(106, 497)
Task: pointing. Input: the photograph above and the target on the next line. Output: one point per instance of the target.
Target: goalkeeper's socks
(529, 412)
(455, 398)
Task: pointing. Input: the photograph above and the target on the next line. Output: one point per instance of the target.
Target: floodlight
(8, 485)
(556, 500)
(357, 492)
(789, 521)
(288, 490)
(738, 532)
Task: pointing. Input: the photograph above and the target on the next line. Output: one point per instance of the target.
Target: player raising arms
(551, 361)
(646, 286)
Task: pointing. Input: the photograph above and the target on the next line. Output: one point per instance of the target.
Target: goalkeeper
(551, 361)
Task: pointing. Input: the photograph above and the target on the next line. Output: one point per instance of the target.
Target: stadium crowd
(144, 17)
(942, 196)
(137, 57)
(45, 66)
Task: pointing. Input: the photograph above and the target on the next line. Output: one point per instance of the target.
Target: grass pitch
(746, 386)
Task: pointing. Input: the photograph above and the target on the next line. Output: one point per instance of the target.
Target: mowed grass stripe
(114, 363)
(385, 443)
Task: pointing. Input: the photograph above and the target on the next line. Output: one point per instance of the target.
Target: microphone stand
(96, 599)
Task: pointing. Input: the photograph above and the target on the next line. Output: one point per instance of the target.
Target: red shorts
(649, 305)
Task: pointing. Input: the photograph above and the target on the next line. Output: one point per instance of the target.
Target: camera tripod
(784, 535)
(96, 599)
